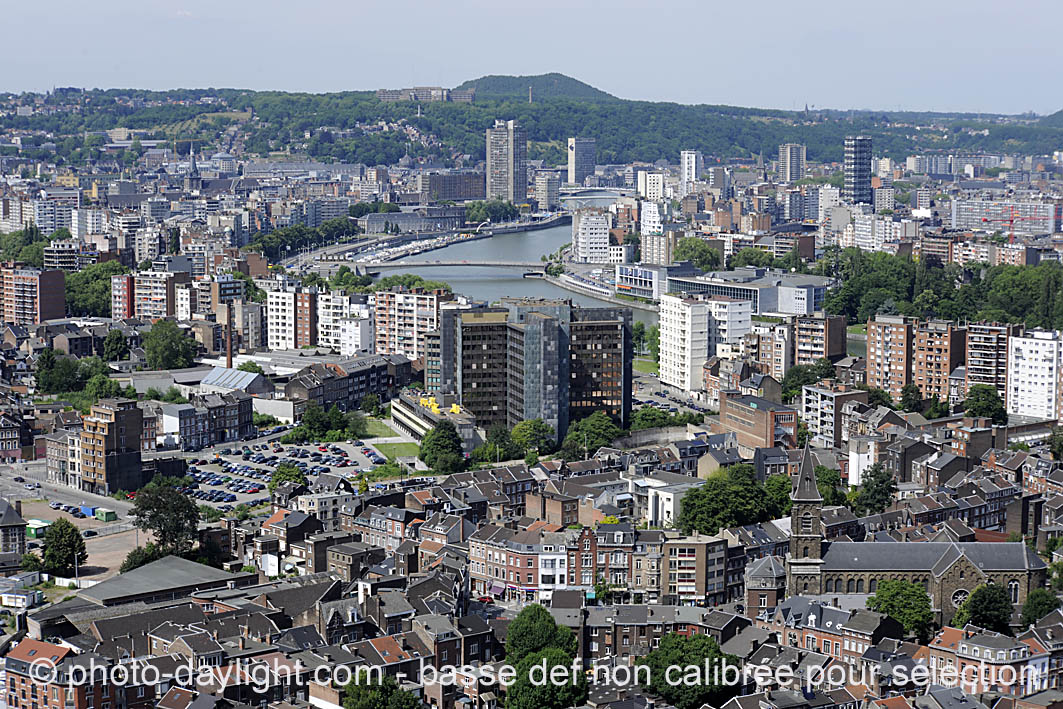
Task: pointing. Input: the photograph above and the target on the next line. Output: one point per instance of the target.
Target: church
(948, 570)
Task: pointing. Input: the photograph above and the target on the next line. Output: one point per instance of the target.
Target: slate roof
(928, 556)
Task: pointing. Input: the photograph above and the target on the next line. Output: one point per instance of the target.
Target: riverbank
(575, 287)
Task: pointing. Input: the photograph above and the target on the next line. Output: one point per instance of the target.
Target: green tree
(384, 694)
(653, 342)
(286, 473)
(649, 417)
(984, 400)
(102, 387)
(1055, 444)
(64, 548)
(752, 257)
(31, 562)
(88, 291)
(698, 252)
(699, 651)
(804, 375)
(829, 482)
(363, 486)
(533, 435)
(535, 630)
(911, 398)
(1039, 603)
(988, 607)
(441, 449)
(251, 366)
(140, 556)
(730, 497)
(879, 397)
(533, 689)
(315, 420)
(168, 347)
(937, 408)
(777, 488)
(115, 346)
(589, 434)
(907, 603)
(876, 493)
(638, 336)
(172, 517)
(371, 404)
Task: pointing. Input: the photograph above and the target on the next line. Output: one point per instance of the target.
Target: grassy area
(646, 366)
(397, 450)
(378, 428)
(857, 329)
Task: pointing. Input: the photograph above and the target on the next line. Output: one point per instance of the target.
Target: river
(490, 284)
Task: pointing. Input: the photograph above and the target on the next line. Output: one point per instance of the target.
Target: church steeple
(806, 530)
(193, 169)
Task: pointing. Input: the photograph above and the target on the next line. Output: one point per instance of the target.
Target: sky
(1000, 56)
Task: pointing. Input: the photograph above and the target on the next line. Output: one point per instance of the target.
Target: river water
(490, 284)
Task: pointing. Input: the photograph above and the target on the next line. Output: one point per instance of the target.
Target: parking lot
(239, 474)
(650, 392)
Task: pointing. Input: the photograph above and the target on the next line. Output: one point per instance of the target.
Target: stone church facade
(949, 571)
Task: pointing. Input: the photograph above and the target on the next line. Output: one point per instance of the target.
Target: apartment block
(987, 355)
(756, 422)
(110, 447)
(29, 296)
(291, 318)
(821, 410)
(939, 348)
(818, 336)
(692, 329)
(889, 353)
(403, 317)
(1035, 365)
(154, 294)
(658, 248)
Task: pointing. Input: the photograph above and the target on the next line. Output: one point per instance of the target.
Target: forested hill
(542, 86)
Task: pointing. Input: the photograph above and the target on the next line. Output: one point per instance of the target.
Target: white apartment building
(884, 198)
(356, 335)
(650, 219)
(85, 221)
(332, 310)
(291, 318)
(651, 185)
(590, 236)
(402, 319)
(691, 331)
(1034, 369)
(691, 165)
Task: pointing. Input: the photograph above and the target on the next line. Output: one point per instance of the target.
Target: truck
(88, 510)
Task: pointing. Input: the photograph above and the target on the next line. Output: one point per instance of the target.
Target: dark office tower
(857, 169)
(507, 162)
(483, 340)
(600, 373)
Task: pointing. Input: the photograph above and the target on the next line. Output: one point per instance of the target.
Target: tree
(64, 548)
(778, 488)
(384, 694)
(139, 557)
(829, 482)
(1055, 444)
(102, 387)
(937, 408)
(115, 346)
(88, 291)
(144, 265)
(804, 375)
(876, 493)
(535, 630)
(286, 473)
(441, 448)
(31, 562)
(363, 486)
(371, 404)
(638, 336)
(879, 397)
(1039, 603)
(653, 342)
(251, 366)
(983, 400)
(907, 603)
(533, 435)
(172, 517)
(533, 688)
(699, 651)
(911, 398)
(730, 497)
(750, 256)
(988, 607)
(168, 347)
(315, 420)
(588, 435)
(698, 252)
(649, 417)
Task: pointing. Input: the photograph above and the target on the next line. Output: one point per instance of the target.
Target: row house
(385, 527)
(624, 632)
(801, 622)
(990, 662)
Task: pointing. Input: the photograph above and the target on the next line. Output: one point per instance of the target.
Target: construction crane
(1010, 221)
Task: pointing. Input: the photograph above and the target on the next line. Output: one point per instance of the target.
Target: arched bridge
(536, 265)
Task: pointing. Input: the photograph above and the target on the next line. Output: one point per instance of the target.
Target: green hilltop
(543, 86)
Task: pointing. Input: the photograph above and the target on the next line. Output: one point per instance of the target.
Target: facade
(821, 410)
(757, 422)
(29, 296)
(691, 165)
(791, 162)
(292, 318)
(857, 186)
(691, 331)
(154, 294)
(581, 159)
(507, 162)
(547, 189)
(657, 248)
(987, 355)
(403, 317)
(1010, 217)
(110, 447)
(650, 225)
(818, 336)
(937, 350)
(590, 236)
(889, 353)
(1035, 364)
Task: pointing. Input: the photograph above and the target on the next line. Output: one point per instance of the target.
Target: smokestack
(18, 507)
(229, 335)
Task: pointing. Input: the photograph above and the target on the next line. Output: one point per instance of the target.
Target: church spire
(805, 488)
(193, 170)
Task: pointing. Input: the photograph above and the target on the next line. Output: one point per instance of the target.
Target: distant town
(416, 398)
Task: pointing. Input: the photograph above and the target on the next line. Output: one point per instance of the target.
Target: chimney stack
(229, 335)
(18, 507)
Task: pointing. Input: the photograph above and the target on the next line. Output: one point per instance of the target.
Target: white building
(590, 236)
(332, 310)
(792, 162)
(356, 335)
(1034, 368)
(651, 185)
(884, 197)
(692, 329)
(85, 221)
(691, 165)
(650, 219)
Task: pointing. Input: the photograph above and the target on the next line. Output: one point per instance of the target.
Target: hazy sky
(958, 55)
